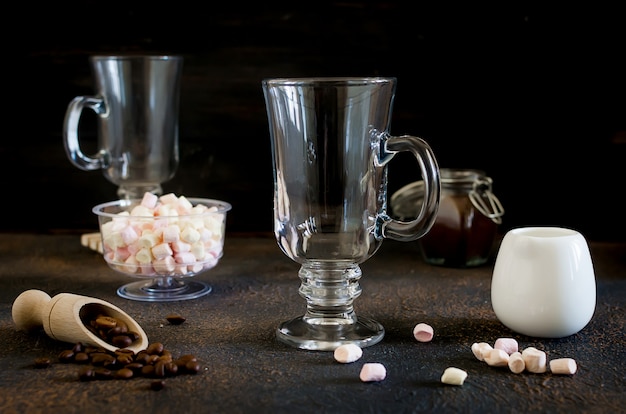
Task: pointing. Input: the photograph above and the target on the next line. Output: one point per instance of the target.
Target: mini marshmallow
(121, 254)
(373, 371)
(198, 250)
(480, 349)
(508, 345)
(149, 200)
(423, 332)
(129, 235)
(535, 360)
(161, 251)
(453, 376)
(148, 239)
(144, 256)
(141, 211)
(497, 358)
(563, 366)
(164, 265)
(348, 353)
(171, 234)
(516, 363)
(169, 198)
(180, 246)
(190, 235)
(131, 265)
(185, 258)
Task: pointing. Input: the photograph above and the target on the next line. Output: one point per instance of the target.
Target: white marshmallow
(566, 366)
(161, 251)
(348, 353)
(497, 358)
(516, 363)
(164, 265)
(480, 349)
(453, 376)
(534, 359)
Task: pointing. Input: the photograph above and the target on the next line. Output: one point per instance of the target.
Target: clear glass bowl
(163, 243)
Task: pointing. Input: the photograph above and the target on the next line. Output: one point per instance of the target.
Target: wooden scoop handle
(63, 318)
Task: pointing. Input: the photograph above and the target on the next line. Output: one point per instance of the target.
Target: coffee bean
(175, 319)
(159, 369)
(81, 358)
(121, 341)
(192, 367)
(67, 356)
(157, 385)
(42, 362)
(103, 373)
(155, 348)
(124, 373)
(105, 322)
(86, 374)
(125, 359)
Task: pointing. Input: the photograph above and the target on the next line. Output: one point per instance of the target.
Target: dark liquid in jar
(461, 236)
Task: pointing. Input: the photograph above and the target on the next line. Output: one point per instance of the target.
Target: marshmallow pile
(506, 353)
(165, 235)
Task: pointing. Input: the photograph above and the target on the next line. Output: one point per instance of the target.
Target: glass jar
(466, 226)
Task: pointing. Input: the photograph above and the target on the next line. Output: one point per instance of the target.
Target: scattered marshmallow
(348, 353)
(566, 366)
(453, 376)
(506, 353)
(516, 362)
(373, 371)
(508, 345)
(497, 358)
(480, 349)
(534, 359)
(423, 332)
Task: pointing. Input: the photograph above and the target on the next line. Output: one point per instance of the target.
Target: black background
(535, 97)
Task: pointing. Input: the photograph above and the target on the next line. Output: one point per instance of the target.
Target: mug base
(327, 337)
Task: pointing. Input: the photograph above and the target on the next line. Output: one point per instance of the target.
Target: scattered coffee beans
(111, 330)
(153, 362)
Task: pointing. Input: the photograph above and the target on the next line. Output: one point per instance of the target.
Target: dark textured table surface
(245, 369)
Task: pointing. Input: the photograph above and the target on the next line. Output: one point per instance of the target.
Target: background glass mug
(137, 105)
(331, 147)
(543, 282)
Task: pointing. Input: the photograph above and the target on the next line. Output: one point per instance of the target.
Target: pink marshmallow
(373, 371)
(508, 345)
(129, 235)
(149, 200)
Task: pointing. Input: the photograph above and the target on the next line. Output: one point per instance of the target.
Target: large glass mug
(137, 107)
(331, 148)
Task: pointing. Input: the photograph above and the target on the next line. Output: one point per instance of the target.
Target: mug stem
(330, 320)
(134, 192)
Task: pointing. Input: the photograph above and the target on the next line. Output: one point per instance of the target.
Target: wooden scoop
(66, 316)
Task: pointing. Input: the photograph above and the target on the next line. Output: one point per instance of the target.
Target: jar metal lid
(406, 201)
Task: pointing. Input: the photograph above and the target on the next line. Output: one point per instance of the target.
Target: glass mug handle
(70, 133)
(388, 227)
